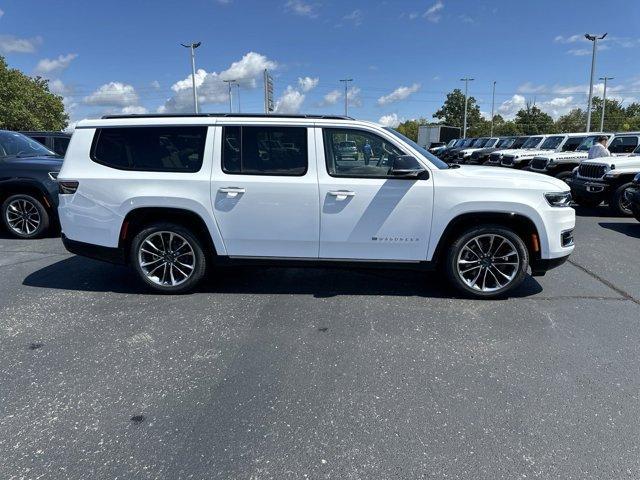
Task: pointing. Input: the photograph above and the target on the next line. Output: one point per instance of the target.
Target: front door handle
(232, 191)
(342, 194)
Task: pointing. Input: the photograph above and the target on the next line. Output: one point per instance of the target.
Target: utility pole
(238, 85)
(230, 83)
(493, 103)
(466, 95)
(594, 39)
(192, 47)
(604, 101)
(346, 99)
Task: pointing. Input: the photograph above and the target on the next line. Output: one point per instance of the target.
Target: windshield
(422, 151)
(14, 144)
(587, 143)
(479, 143)
(505, 143)
(490, 143)
(532, 142)
(451, 143)
(519, 142)
(468, 142)
(551, 143)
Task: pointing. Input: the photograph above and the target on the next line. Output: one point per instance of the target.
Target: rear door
(366, 214)
(264, 190)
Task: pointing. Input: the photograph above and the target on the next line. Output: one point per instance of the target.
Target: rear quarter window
(150, 149)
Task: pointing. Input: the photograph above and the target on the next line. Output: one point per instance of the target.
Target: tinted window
(152, 149)
(572, 144)
(278, 151)
(14, 144)
(623, 144)
(519, 142)
(551, 143)
(60, 145)
(532, 142)
(42, 140)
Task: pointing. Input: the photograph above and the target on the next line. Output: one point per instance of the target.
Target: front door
(265, 191)
(367, 214)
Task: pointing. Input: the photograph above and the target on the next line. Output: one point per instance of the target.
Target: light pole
(604, 101)
(594, 39)
(346, 99)
(229, 84)
(493, 102)
(466, 92)
(192, 47)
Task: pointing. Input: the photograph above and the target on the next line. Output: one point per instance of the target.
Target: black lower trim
(315, 263)
(541, 266)
(97, 252)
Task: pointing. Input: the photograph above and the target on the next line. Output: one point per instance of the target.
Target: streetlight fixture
(192, 47)
(604, 101)
(346, 99)
(466, 91)
(594, 39)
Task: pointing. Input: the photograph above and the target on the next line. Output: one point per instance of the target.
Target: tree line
(530, 120)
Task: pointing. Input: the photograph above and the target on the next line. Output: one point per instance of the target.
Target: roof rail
(226, 115)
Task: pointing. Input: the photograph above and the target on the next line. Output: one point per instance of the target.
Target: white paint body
(303, 217)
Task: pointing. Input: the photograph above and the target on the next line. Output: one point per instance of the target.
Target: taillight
(67, 187)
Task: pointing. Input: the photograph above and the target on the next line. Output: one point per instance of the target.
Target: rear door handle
(232, 191)
(342, 194)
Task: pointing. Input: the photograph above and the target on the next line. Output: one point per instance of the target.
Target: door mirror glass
(406, 166)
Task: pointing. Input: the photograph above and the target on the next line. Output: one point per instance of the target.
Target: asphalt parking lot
(290, 373)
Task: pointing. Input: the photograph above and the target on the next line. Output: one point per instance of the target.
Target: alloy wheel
(488, 262)
(166, 258)
(23, 217)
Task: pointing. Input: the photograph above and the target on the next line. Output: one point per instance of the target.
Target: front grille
(460, 155)
(508, 160)
(590, 170)
(539, 164)
(494, 158)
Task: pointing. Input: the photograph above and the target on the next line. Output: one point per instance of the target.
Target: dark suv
(57, 142)
(28, 187)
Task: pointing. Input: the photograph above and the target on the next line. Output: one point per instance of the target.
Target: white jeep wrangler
(531, 143)
(175, 196)
(552, 143)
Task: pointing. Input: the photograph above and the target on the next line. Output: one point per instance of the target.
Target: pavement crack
(606, 282)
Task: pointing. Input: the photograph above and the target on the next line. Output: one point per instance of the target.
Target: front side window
(519, 142)
(278, 151)
(358, 153)
(623, 144)
(60, 145)
(572, 144)
(14, 144)
(151, 149)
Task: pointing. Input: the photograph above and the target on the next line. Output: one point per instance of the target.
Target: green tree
(615, 116)
(506, 129)
(409, 128)
(452, 111)
(574, 121)
(531, 121)
(27, 104)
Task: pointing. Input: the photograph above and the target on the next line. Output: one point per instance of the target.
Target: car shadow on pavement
(600, 211)
(82, 274)
(629, 229)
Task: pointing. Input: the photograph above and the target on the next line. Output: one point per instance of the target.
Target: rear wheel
(25, 216)
(168, 257)
(487, 261)
(619, 201)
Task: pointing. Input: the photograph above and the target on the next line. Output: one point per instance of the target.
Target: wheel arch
(15, 186)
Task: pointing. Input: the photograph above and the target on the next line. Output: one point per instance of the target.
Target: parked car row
(563, 156)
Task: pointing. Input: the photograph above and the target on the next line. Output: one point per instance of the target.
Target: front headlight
(637, 178)
(612, 175)
(551, 163)
(558, 199)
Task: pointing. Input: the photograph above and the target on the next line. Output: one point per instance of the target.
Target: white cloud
(353, 96)
(134, 109)
(398, 94)
(390, 120)
(509, 108)
(13, 44)
(113, 94)
(1, 13)
(466, 19)
(211, 88)
(302, 8)
(570, 39)
(59, 64)
(413, 15)
(290, 101)
(581, 52)
(308, 83)
(433, 13)
(355, 17)
(155, 84)
(331, 98)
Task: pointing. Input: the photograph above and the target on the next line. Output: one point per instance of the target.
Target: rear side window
(278, 151)
(572, 143)
(151, 149)
(60, 145)
(623, 144)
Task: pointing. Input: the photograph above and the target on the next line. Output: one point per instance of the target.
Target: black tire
(199, 258)
(519, 272)
(564, 176)
(587, 202)
(619, 204)
(36, 211)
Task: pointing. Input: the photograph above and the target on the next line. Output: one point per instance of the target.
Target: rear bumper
(97, 252)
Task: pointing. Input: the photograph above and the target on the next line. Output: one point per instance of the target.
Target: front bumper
(541, 266)
(581, 187)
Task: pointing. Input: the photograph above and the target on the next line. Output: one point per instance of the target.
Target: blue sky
(404, 56)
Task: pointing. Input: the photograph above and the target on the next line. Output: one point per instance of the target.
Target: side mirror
(406, 166)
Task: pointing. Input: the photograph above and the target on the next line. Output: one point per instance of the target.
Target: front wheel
(25, 216)
(619, 201)
(168, 257)
(487, 261)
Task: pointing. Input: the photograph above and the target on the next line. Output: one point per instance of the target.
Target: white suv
(175, 196)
